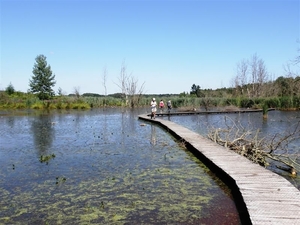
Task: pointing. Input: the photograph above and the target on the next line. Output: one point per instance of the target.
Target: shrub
(273, 102)
(296, 101)
(286, 103)
(246, 103)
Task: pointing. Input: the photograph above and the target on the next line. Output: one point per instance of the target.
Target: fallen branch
(259, 149)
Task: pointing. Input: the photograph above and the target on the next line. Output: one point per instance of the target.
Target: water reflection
(43, 132)
(131, 121)
(104, 128)
(78, 117)
(169, 117)
(153, 134)
(10, 121)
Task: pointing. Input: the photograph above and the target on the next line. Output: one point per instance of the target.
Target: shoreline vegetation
(183, 102)
(261, 92)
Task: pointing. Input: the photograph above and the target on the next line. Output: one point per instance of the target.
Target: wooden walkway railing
(261, 196)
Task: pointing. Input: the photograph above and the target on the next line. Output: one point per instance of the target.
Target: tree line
(251, 82)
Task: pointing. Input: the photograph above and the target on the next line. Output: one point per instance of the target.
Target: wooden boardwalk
(261, 196)
(191, 112)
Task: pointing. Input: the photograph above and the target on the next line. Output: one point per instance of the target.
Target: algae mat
(103, 167)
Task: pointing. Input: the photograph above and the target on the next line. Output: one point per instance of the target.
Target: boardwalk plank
(269, 198)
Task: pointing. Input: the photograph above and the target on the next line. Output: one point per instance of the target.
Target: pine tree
(42, 80)
(10, 89)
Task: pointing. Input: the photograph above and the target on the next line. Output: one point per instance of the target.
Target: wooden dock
(191, 112)
(262, 197)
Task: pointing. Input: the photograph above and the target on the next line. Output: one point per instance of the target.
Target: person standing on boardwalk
(161, 105)
(169, 106)
(153, 108)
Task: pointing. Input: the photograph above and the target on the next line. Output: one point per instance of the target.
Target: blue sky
(167, 45)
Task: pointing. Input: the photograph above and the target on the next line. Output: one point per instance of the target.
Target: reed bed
(22, 101)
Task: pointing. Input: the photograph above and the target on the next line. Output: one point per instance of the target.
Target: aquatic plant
(265, 110)
(60, 180)
(46, 158)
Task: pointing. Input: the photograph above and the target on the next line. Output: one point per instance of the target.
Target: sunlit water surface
(103, 167)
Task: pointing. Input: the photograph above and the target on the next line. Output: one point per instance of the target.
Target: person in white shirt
(169, 106)
(153, 108)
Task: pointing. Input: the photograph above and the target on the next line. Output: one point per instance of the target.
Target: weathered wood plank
(269, 198)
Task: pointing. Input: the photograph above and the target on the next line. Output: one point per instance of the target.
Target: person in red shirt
(161, 105)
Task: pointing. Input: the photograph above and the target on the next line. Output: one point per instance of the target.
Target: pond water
(103, 166)
(278, 123)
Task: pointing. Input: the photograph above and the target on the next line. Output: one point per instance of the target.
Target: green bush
(286, 102)
(296, 102)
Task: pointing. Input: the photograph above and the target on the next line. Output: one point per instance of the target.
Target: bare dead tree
(122, 80)
(128, 84)
(292, 80)
(297, 59)
(251, 77)
(254, 75)
(241, 76)
(134, 91)
(259, 75)
(77, 91)
(104, 79)
(262, 77)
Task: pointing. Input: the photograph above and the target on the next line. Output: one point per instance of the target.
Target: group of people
(161, 106)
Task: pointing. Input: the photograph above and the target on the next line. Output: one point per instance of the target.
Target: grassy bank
(29, 101)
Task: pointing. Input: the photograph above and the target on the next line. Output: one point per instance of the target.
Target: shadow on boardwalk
(261, 196)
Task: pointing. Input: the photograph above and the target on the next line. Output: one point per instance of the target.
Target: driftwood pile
(259, 150)
(240, 145)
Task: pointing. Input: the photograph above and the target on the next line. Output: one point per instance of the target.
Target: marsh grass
(96, 102)
(37, 106)
(20, 100)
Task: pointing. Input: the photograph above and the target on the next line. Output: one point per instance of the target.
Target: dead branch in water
(259, 149)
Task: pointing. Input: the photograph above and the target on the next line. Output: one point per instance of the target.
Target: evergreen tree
(10, 89)
(195, 90)
(42, 80)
